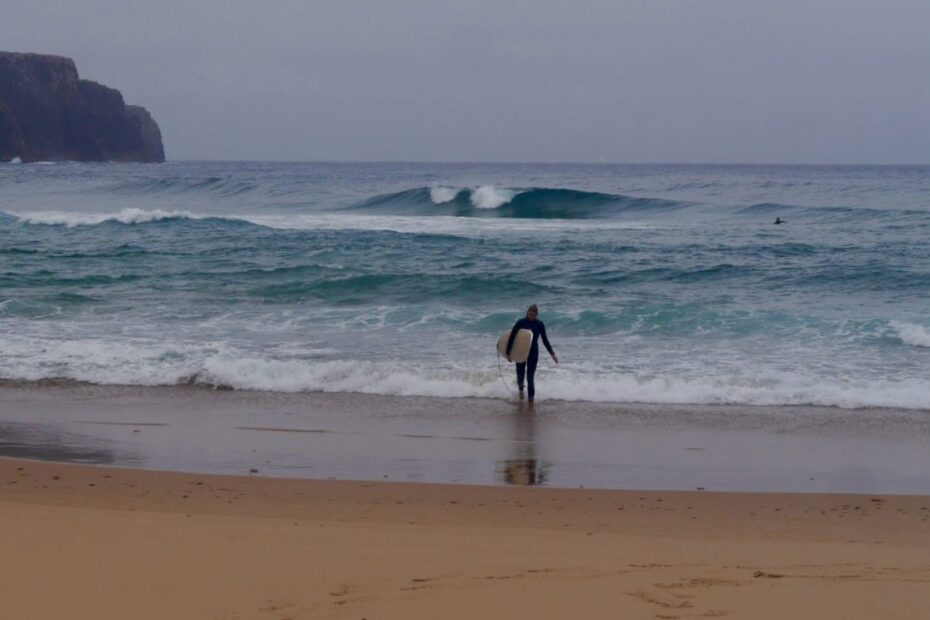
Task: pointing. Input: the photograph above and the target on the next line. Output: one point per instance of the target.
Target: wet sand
(470, 441)
(92, 542)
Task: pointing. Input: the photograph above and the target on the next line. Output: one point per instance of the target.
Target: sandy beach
(100, 542)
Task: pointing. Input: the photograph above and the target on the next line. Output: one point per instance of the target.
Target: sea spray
(490, 197)
(440, 195)
(915, 335)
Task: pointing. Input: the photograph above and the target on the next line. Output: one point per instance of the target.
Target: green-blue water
(657, 283)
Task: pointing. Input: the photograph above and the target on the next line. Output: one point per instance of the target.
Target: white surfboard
(521, 345)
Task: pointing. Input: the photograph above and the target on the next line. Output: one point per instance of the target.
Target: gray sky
(816, 81)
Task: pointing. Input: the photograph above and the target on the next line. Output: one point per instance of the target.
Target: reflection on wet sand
(35, 441)
(523, 468)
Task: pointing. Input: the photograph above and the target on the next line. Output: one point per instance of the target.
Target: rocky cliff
(47, 113)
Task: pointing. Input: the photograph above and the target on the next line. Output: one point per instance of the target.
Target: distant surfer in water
(778, 221)
(527, 369)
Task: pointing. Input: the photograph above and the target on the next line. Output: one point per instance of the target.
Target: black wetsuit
(528, 368)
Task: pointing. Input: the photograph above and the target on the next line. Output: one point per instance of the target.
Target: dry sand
(88, 542)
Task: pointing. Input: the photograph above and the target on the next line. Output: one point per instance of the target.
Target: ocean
(666, 284)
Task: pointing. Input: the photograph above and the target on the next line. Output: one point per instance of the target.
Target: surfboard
(521, 345)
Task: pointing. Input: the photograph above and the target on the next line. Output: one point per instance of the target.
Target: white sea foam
(16, 160)
(440, 195)
(149, 362)
(411, 380)
(490, 197)
(125, 216)
(438, 224)
(914, 335)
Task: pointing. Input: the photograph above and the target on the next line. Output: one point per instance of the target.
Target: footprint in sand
(340, 593)
(281, 610)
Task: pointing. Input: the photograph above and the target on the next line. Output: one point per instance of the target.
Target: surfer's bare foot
(521, 393)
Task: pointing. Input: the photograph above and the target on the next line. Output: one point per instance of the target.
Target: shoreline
(116, 543)
(193, 385)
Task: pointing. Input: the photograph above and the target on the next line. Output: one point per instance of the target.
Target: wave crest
(489, 197)
(440, 195)
(213, 185)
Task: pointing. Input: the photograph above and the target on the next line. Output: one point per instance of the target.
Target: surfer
(778, 221)
(527, 369)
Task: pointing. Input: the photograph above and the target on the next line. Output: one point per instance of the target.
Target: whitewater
(658, 284)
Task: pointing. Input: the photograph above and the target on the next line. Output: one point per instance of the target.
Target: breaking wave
(126, 216)
(492, 201)
(151, 364)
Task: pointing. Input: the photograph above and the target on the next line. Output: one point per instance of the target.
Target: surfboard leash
(501, 371)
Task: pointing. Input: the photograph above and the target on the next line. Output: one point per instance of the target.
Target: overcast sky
(815, 81)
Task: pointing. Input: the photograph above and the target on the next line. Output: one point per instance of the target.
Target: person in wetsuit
(527, 369)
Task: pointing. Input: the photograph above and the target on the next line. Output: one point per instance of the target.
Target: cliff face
(47, 113)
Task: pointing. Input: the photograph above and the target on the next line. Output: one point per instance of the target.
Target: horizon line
(546, 163)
